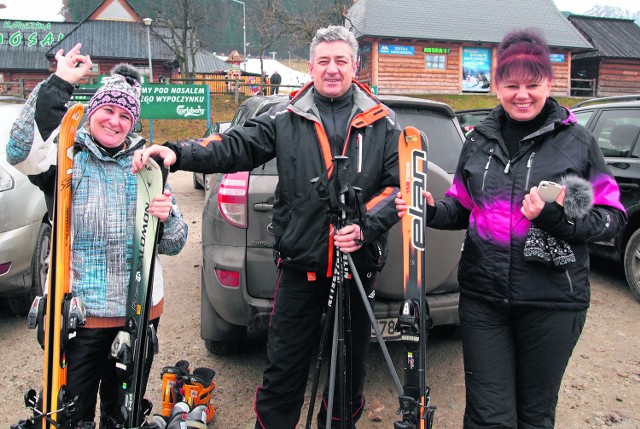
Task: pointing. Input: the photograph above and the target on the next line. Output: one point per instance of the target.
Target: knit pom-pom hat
(121, 89)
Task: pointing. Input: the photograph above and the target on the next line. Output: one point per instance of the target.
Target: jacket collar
(302, 102)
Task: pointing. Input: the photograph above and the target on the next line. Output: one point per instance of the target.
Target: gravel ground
(601, 386)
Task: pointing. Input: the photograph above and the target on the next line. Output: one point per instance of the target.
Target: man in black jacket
(333, 115)
(275, 79)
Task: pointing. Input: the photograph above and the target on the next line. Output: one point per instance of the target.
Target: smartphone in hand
(549, 191)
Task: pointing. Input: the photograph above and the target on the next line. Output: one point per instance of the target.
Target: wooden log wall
(618, 77)
(403, 74)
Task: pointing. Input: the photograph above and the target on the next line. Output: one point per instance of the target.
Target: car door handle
(628, 187)
(620, 165)
(263, 207)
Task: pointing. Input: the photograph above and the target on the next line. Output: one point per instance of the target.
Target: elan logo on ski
(416, 210)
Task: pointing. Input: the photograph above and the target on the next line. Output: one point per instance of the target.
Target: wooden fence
(245, 85)
(584, 87)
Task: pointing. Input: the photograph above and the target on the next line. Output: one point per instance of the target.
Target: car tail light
(4, 268)
(232, 198)
(228, 278)
(6, 181)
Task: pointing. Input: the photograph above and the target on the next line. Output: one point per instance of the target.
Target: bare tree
(339, 11)
(268, 18)
(303, 26)
(176, 28)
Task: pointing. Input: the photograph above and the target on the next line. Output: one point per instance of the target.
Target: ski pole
(321, 351)
(376, 328)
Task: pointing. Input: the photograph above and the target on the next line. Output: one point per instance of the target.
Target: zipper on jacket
(506, 168)
(529, 162)
(359, 153)
(569, 280)
(486, 170)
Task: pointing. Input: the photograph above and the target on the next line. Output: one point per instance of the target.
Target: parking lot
(601, 387)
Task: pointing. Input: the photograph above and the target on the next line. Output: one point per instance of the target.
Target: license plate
(387, 329)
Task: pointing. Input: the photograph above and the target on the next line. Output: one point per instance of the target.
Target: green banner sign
(165, 101)
(174, 102)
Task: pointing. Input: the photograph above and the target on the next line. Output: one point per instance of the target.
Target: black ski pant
(293, 335)
(514, 361)
(91, 369)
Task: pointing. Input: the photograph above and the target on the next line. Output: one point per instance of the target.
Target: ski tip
(411, 136)
(76, 111)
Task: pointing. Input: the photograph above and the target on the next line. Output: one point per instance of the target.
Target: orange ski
(415, 409)
(59, 303)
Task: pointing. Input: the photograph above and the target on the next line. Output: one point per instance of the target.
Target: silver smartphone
(548, 191)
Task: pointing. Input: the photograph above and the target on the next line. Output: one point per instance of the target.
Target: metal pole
(147, 22)
(244, 28)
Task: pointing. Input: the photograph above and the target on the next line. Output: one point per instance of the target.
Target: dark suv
(238, 272)
(615, 123)
(471, 118)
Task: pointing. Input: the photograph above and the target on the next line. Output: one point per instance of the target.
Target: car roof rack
(629, 97)
(7, 98)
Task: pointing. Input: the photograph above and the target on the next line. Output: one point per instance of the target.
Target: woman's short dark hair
(523, 54)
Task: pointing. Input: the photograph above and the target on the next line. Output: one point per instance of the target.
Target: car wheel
(220, 337)
(632, 263)
(196, 184)
(20, 305)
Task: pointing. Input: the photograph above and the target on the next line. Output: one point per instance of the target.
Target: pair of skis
(135, 345)
(52, 312)
(59, 314)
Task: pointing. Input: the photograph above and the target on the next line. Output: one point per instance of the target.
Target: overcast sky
(47, 10)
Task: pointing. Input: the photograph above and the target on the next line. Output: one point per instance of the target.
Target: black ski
(136, 343)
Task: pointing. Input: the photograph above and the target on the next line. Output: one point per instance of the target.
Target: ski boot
(198, 417)
(198, 390)
(172, 385)
(178, 416)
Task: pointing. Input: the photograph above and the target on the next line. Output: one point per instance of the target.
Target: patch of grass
(224, 107)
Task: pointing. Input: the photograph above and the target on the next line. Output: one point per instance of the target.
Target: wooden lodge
(449, 46)
(614, 63)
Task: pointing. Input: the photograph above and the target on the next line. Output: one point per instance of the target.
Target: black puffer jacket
(295, 136)
(487, 194)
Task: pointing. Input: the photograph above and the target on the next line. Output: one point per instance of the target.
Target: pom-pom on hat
(121, 89)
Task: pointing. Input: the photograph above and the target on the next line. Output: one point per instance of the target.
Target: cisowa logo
(187, 111)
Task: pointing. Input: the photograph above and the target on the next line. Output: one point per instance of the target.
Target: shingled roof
(115, 39)
(31, 40)
(610, 37)
(462, 20)
(206, 62)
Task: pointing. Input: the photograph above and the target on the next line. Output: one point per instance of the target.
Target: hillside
(220, 26)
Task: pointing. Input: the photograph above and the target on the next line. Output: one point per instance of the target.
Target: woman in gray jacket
(104, 193)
